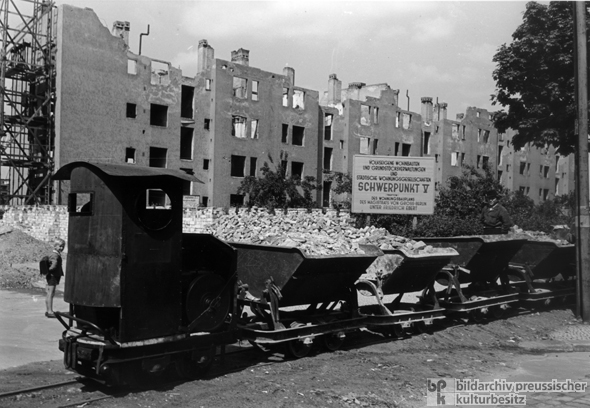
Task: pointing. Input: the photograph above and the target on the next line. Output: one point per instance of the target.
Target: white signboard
(393, 185)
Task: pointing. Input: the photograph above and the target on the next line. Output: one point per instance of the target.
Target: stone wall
(50, 221)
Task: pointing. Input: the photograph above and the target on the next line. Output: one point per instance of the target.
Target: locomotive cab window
(80, 203)
(154, 209)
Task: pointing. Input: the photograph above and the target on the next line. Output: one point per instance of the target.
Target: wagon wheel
(332, 341)
(476, 316)
(498, 311)
(207, 303)
(298, 348)
(420, 327)
(397, 330)
(195, 365)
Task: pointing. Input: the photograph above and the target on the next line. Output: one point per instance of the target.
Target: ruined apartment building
(223, 124)
(117, 106)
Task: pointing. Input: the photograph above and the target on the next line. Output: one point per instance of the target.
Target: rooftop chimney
(241, 57)
(426, 108)
(290, 73)
(442, 111)
(334, 90)
(205, 56)
(460, 116)
(354, 90)
(121, 29)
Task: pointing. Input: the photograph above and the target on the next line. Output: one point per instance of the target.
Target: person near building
(55, 272)
(494, 217)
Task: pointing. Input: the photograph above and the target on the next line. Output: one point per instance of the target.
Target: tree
(535, 79)
(276, 190)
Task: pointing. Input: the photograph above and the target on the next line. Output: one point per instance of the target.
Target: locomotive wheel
(206, 303)
(332, 341)
(193, 369)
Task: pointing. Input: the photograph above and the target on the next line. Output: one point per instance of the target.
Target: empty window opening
(406, 148)
(131, 67)
(238, 126)
(365, 147)
(284, 166)
(546, 171)
(327, 187)
(131, 110)
(207, 124)
(186, 187)
(342, 144)
(463, 133)
(454, 159)
(486, 136)
(462, 159)
(328, 158)
(500, 159)
(240, 87)
(375, 115)
(522, 189)
(522, 168)
(253, 169)
(478, 164)
(254, 129)
(207, 88)
(455, 131)
(186, 143)
(484, 161)
(80, 203)
(375, 143)
(426, 149)
(296, 170)
(298, 99)
(528, 169)
(479, 131)
(205, 201)
(298, 135)
(158, 157)
(396, 149)
(500, 175)
(205, 164)
(365, 115)
(285, 97)
(187, 95)
(236, 200)
(398, 116)
(254, 90)
(407, 121)
(160, 73)
(285, 133)
(501, 137)
(328, 126)
(158, 115)
(130, 155)
(436, 158)
(238, 166)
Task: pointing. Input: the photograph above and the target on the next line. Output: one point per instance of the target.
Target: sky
(440, 49)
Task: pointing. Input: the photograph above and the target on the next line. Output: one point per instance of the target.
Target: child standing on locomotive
(54, 275)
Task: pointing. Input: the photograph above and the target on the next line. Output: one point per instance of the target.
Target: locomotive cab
(136, 285)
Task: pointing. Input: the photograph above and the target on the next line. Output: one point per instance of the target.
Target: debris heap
(310, 233)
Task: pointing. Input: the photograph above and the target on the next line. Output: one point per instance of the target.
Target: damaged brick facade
(222, 124)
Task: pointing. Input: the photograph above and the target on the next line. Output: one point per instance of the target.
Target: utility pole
(582, 177)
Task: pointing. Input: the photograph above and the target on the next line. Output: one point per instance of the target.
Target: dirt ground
(386, 373)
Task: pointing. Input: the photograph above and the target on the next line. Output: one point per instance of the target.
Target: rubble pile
(310, 233)
(519, 233)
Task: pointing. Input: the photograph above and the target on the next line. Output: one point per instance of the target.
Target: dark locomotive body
(142, 295)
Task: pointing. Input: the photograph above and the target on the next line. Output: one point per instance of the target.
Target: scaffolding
(27, 124)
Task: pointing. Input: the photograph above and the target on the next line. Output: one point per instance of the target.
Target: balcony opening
(158, 115)
(365, 115)
(328, 126)
(158, 157)
(298, 135)
(186, 143)
(240, 87)
(328, 158)
(187, 96)
(130, 155)
(238, 164)
(285, 133)
(298, 99)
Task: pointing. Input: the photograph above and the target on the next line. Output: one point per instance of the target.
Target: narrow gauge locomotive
(142, 295)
